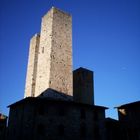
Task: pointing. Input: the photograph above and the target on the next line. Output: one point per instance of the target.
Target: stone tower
(32, 66)
(52, 66)
(83, 86)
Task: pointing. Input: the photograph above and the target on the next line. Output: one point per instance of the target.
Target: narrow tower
(83, 86)
(32, 66)
(54, 67)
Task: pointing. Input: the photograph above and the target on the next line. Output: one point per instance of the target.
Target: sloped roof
(55, 96)
(82, 69)
(133, 104)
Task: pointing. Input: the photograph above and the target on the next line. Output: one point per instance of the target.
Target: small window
(61, 130)
(42, 49)
(32, 94)
(83, 130)
(83, 114)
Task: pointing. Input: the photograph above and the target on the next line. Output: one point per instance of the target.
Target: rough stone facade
(83, 86)
(54, 67)
(42, 118)
(32, 66)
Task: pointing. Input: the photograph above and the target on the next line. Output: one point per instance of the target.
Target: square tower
(54, 67)
(32, 66)
(83, 86)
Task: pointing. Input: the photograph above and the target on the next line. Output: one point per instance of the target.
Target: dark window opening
(83, 130)
(32, 94)
(61, 130)
(42, 49)
(83, 114)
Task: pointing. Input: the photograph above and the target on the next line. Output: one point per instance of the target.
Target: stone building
(52, 108)
(129, 118)
(54, 116)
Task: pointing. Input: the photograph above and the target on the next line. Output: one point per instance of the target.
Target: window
(83, 130)
(61, 130)
(42, 49)
(32, 94)
(83, 114)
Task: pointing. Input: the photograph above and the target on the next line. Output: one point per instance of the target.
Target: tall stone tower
(53, 58)
(32, 66)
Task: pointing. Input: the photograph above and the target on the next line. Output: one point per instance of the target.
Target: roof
(51, 95)
(111, 120)
(82, 69)
(133, 104)
(36, 99)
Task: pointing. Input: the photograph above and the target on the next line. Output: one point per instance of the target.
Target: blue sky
(106, 39)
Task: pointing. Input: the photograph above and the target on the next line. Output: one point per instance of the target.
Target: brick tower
(52, 66)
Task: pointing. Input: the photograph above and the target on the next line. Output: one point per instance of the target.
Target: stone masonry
(32, 66)
(54, 58)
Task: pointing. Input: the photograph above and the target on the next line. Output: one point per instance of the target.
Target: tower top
(57, 9)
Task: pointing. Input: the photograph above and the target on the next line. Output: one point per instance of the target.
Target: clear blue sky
(106, 39)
